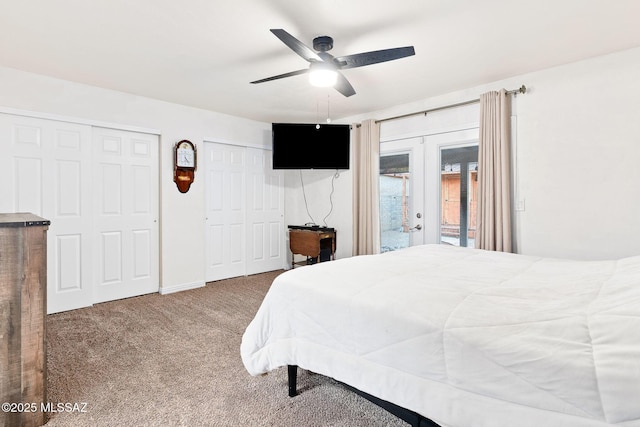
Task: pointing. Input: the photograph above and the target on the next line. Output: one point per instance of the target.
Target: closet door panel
(47, 171)
(265, 213)
(126, 207)
(225, 211)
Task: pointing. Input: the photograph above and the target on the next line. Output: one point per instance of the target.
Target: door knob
(417, 227)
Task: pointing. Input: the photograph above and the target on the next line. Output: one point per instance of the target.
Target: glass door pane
(458, 195)
(394, 202)
(401, 194)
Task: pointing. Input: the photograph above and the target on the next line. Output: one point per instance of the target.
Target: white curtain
(494, 173)
(366, 193)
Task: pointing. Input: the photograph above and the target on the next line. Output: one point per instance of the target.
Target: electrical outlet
(520, 205)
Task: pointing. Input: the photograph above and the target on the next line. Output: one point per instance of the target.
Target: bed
(464, 337)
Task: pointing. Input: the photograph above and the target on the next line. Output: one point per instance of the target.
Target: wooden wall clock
(184, 164)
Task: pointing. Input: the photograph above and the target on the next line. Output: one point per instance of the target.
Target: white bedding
(462, 336)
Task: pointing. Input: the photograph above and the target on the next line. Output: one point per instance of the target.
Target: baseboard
(179, 288)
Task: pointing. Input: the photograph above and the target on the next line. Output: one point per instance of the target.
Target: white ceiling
(204, 53)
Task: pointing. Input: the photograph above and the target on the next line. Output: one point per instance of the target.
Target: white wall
(578, 159)
(182, 215)
(578, 149)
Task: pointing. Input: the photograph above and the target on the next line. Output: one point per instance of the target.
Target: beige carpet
(174, 360)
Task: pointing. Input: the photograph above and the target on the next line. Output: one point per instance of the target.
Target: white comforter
(463, 336)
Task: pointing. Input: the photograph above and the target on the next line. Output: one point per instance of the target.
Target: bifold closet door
(126, 229)
(45, 169)
(244, 212)
(265, 213)
(225, 211)
(99, 188)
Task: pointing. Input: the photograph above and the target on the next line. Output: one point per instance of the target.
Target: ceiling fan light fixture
(322, 74)
(324, 70)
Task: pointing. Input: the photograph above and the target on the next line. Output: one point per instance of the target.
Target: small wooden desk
(318, 244)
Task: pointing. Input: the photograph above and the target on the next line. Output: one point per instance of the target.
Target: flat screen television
(307, 146)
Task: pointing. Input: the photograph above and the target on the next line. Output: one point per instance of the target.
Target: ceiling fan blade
(343, 86)
(282, 76)
(373, 57)
(296, 45)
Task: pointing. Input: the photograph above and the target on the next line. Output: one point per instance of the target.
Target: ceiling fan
(324, 67)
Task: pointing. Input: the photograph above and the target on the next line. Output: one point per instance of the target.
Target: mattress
(462, 336)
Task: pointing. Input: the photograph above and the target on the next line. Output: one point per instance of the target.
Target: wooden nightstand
(318, 244)
(23, 311)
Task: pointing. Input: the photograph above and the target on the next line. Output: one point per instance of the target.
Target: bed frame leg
(292, 371)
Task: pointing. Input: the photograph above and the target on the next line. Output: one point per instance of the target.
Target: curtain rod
(521, 89)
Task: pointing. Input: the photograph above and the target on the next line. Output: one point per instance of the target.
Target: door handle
(417, 227)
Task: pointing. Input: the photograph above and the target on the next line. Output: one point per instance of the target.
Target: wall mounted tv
(307, 146)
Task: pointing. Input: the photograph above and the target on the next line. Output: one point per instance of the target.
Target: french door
(451, 187)
(428, 190)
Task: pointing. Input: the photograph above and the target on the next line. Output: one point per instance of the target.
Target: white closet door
(125, 205)
(225, 215)
(45, 169)
(265, 213)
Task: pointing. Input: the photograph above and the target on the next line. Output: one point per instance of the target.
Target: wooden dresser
(23, 308)
(317, 244)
